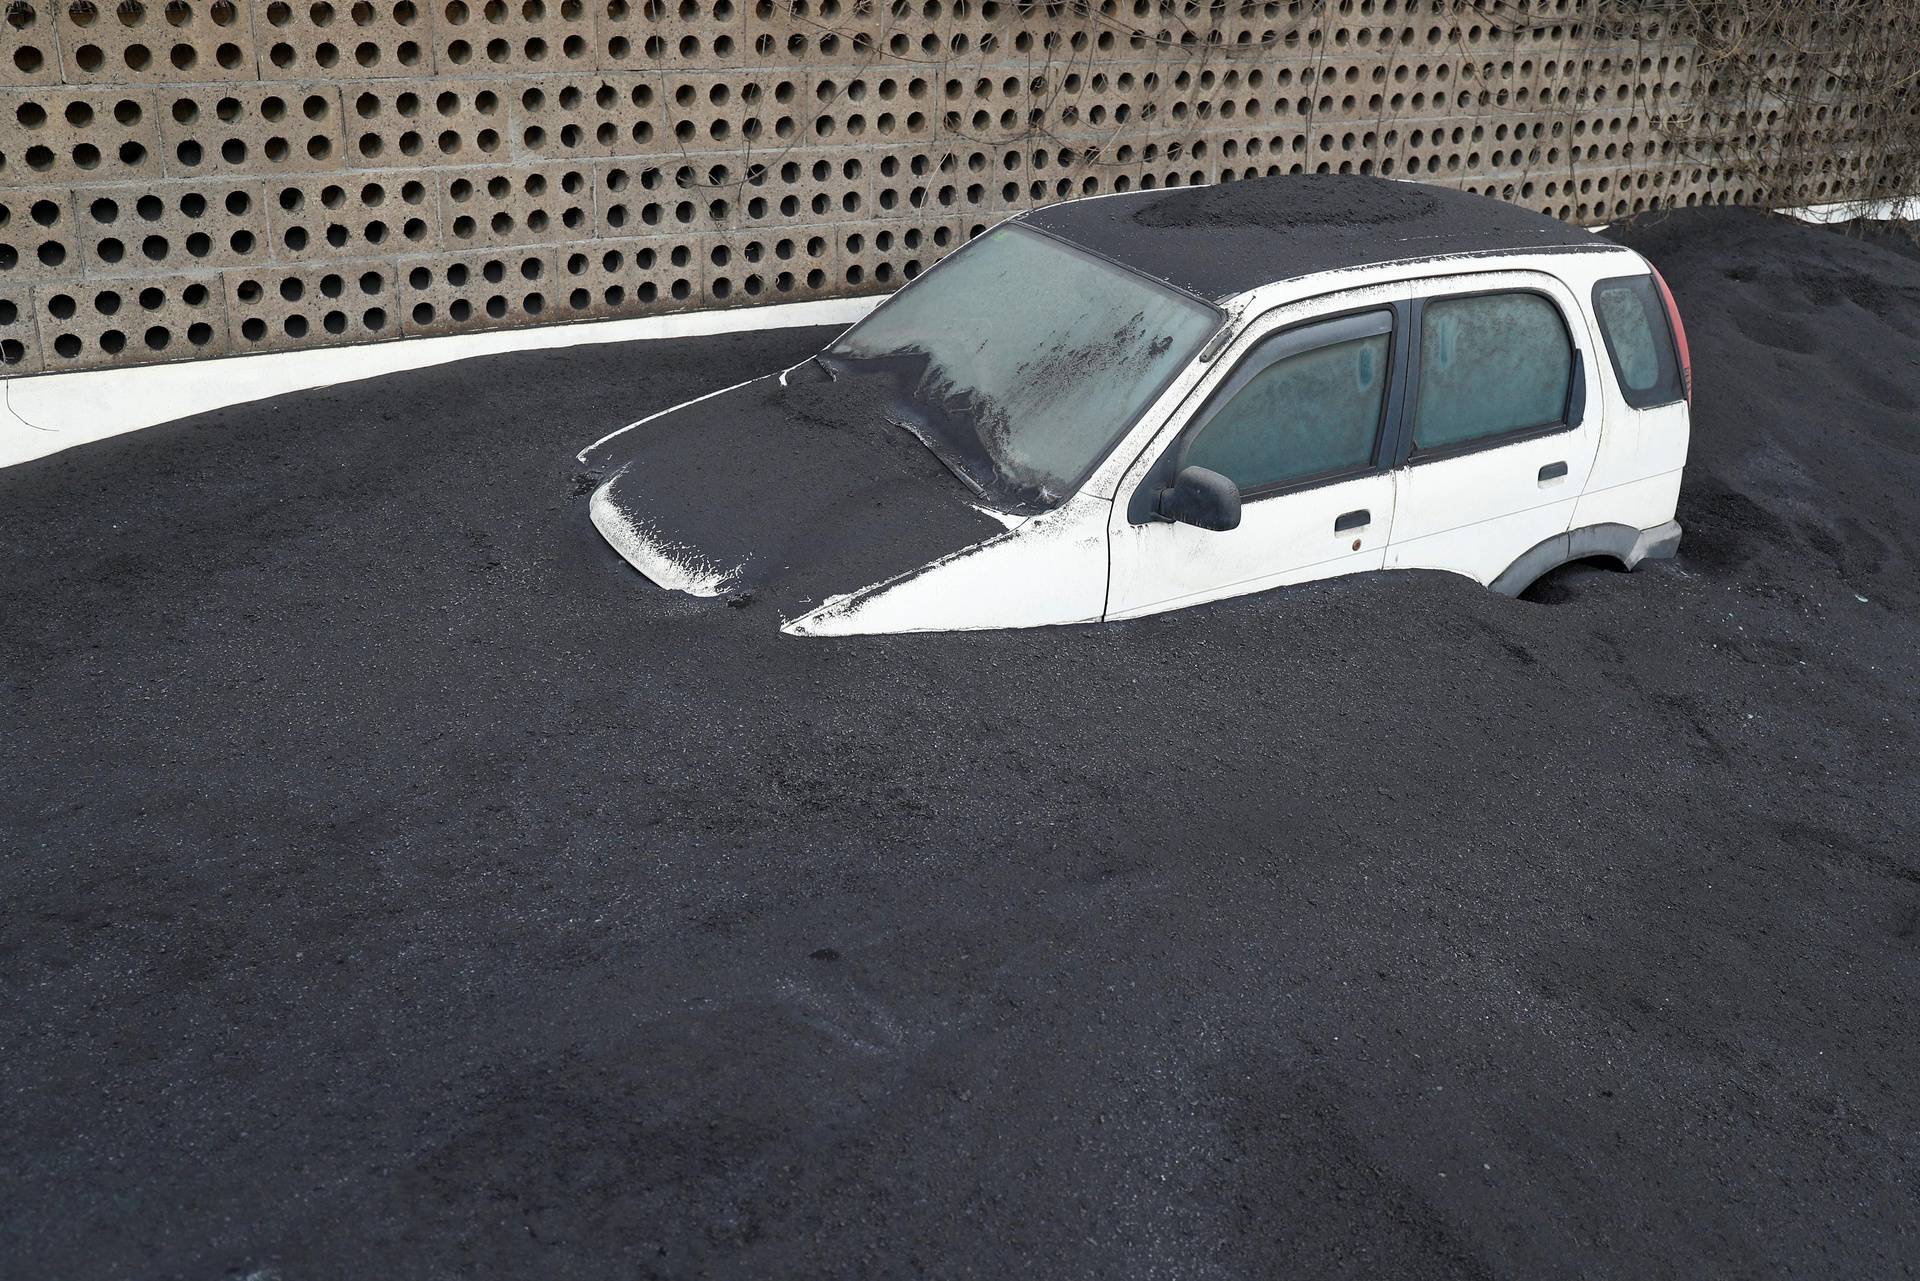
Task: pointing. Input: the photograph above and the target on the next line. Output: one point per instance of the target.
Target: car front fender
(1048, 570)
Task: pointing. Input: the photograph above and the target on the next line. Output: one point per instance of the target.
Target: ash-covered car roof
(1225, 239)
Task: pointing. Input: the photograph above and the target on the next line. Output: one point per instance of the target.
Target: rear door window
(1304, 405)
(1633, 322)
(1491, 365)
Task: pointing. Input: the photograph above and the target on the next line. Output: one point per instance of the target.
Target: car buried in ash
(1127, 404)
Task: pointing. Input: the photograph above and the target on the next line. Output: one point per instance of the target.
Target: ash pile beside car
(396, 884)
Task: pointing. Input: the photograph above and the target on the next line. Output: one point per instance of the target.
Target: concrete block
(255, 129)
(115, 42)
(346, 216)
(88, 324)
(285, 307)
(172, 226)
(67, 135)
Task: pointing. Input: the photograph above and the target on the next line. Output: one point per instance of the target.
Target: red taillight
(1679, 334)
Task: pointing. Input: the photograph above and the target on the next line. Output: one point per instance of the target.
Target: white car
(1126, 404)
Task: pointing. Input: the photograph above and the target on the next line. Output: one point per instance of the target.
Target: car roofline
(1218, 305)
(1227, 302)
(1398, 270)
(1444, 222)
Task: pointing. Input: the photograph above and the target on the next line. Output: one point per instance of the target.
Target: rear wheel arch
(1622, 544)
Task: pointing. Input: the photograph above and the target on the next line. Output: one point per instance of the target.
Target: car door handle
(1353, 520)
(1552, 471)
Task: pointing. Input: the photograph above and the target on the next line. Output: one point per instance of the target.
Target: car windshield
(1020, 360)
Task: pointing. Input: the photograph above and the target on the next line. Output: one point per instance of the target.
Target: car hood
(789, 488)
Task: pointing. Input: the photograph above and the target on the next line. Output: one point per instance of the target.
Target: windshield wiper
(927, 438)
(973, 466)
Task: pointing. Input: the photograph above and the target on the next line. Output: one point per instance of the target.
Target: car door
(1502, 422)
(1298, 420)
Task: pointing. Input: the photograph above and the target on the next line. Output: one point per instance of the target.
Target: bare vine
(1806, 101)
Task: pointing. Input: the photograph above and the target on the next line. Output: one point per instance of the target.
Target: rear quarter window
(1634, 326)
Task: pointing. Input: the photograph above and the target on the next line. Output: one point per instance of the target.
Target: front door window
(1304, 405)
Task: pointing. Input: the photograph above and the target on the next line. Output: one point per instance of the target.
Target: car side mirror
(1201, 498)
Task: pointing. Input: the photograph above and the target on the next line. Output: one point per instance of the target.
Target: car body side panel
(1643, 503)
(1051, 569)
(1289, 538)
(1469, 516)
(1636, 479)
(1639, 442)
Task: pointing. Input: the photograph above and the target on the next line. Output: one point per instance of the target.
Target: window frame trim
(1613, 359)
(1381, 460)
(1409, 454)
(1377, 455)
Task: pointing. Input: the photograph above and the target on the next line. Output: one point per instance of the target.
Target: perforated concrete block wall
(185, 178)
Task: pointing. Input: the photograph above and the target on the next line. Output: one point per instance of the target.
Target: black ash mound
(398, 885)
(1806, 341)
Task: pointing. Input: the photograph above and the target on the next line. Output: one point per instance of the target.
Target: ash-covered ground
(396, 885)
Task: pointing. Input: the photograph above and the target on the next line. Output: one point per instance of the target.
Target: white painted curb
(41, 414)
